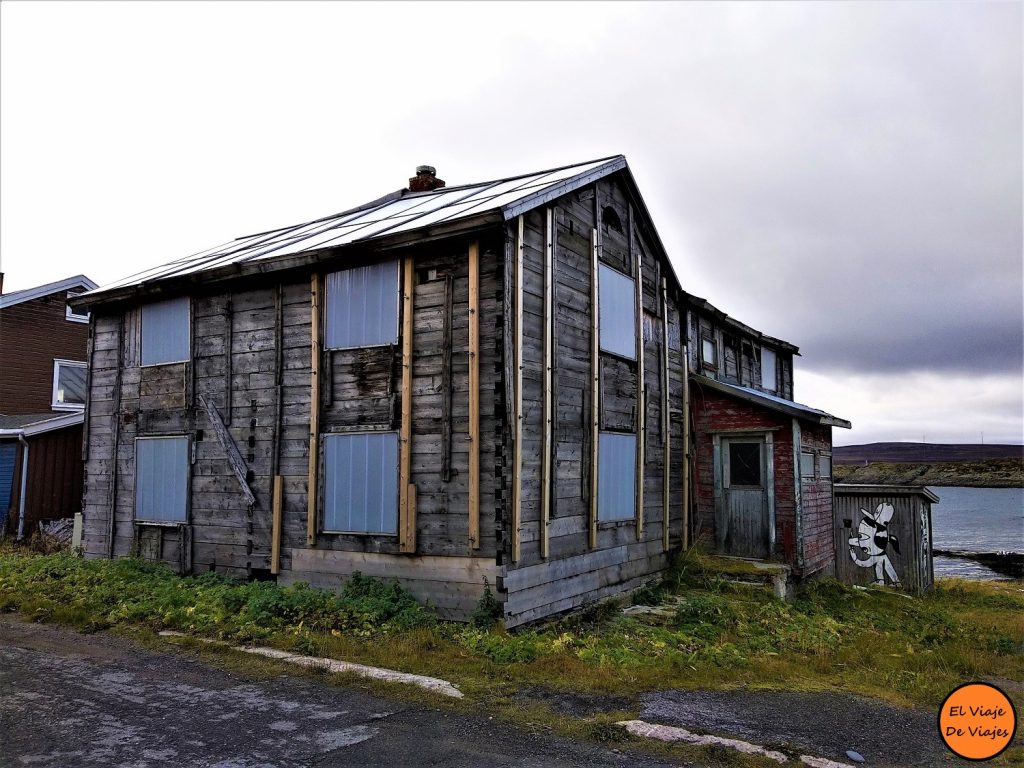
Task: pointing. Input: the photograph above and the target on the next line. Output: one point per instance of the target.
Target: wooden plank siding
(579, 569)
(506, 314)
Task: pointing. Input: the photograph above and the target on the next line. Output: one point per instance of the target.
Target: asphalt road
(69, 700)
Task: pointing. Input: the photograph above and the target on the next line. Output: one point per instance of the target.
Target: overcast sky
(846, 176)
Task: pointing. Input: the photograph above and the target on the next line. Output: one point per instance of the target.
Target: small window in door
(744, 464)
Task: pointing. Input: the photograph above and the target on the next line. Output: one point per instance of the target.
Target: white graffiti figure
(874, 539)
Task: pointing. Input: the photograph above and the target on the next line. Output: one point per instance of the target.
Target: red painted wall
(716, 412)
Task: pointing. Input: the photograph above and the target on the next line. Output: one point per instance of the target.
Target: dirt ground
(68, 699)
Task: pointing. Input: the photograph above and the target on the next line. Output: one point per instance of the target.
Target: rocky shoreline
(1004, 563)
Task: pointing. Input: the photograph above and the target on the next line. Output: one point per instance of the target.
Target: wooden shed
(883, 535)
(447, 385)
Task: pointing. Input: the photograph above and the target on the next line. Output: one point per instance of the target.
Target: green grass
(715, 635)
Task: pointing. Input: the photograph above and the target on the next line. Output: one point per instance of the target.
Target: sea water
(976, 520)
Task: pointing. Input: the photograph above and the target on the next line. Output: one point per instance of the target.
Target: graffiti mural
(874, 540)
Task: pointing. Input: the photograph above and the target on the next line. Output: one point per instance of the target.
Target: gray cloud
(846, 176)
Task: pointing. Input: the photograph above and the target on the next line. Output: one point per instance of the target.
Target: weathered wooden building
(445, 386)
(763, 463)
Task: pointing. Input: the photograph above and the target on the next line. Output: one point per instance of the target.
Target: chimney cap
(426, 170)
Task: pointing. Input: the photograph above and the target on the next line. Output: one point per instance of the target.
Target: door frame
(766, 435)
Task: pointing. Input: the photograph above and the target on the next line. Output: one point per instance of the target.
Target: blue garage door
(8, 455)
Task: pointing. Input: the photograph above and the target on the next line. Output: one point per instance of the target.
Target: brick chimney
(425, 179)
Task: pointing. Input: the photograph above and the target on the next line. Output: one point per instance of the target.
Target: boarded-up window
(616, 488)
(161, 479)
(768, 369)
(68, 385)
(825, 466)
(361, 483)
(362, 306)
(617, 310)
(165, 333)
(807, 466)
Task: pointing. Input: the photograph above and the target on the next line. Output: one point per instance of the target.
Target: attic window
(709, 352)
(768, 369)
(611, 219)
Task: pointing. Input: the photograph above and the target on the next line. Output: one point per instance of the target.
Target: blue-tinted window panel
(362, 306)
(361, 483)
(616, 477)
(165, 333)
(161, 479)
(617, 312)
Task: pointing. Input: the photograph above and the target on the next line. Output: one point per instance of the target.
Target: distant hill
(916, 453)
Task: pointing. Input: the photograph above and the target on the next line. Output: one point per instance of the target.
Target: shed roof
(864, 489)
(773, 402)
(18, 297)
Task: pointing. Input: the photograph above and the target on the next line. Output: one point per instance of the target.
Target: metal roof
(774, 402)
(18, 297)
(400, 212)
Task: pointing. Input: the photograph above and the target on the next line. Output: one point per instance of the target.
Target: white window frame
(70, 314)
(398, 306)
(54, 404)
(188, 333)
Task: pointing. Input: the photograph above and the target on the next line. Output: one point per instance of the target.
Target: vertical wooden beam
(115, 420)
(685, 350)
(798, 502)
(277, 500)
(314, 409)
(666, 423)
(90, 356)
(228, 343)
(545, 479)
(517, 460)
(641, 386)
(407, 493)
(474, 395)
(595, 385)
(446, 376)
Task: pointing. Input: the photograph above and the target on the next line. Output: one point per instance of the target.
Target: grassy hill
(988, 473)
(921, 453)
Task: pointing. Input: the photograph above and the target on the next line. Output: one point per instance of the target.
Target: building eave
(796, 410)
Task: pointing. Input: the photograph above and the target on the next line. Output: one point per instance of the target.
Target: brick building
(43, 361)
